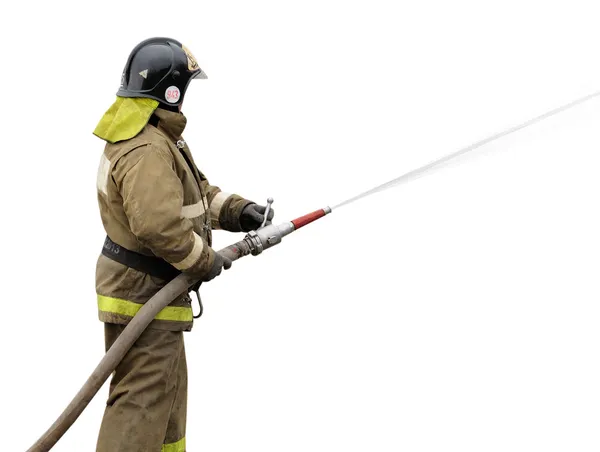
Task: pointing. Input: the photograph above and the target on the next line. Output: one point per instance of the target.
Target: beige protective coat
(155, 201)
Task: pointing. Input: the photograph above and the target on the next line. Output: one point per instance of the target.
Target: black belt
(152, 265)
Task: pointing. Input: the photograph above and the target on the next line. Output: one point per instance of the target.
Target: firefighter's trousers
(146, 407)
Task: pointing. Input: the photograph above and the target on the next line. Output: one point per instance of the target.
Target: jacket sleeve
(153, 199)
(225, 208)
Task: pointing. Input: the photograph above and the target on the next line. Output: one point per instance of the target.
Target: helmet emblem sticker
(192, 63)
(144, 73)
(172, 94)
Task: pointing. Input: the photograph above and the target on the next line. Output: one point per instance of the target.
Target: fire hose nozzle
(267, 237)
(271, 235)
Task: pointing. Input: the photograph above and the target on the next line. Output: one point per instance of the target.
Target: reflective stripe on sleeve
(193, 256)
(102, 178)
(215, 208)
(179, 446)
(130, 308)
(193, 210)
(217, 203)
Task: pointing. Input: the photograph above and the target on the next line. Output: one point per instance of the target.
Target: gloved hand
(220, 263)
(252, 217)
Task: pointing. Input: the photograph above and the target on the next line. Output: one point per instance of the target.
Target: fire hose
(254, 243)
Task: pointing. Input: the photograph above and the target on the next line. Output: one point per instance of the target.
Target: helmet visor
(200, 74)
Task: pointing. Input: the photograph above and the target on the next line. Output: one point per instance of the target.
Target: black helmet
(159, 68)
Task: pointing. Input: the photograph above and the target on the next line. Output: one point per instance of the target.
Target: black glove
(252, 217)
(220, 263)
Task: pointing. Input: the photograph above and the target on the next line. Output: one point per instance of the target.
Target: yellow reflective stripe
(129, 308)
(179, 446)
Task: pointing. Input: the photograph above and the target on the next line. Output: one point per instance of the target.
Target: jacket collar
(170, 122)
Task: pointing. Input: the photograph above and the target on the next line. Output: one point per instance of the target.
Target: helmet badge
(172, 94)
(192, 63)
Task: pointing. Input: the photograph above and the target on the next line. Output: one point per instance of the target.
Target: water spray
(255, 242)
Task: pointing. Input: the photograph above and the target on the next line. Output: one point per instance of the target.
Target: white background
(456, 313)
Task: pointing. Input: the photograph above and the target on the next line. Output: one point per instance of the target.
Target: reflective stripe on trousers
(130, 308)
(179, 446)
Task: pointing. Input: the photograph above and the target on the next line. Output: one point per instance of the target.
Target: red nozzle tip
(306, 219)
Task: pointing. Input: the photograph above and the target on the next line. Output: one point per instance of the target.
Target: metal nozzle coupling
(267, 237)
(270, 235)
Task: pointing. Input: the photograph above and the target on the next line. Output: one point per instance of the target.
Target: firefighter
(158, 210)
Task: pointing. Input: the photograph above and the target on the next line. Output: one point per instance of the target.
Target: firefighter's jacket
(154, 201)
